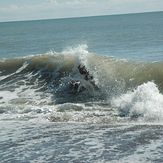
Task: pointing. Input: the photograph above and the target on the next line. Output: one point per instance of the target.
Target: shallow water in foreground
(27, 141)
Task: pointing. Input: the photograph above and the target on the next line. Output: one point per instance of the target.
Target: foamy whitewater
(115, 117)
(42, 84)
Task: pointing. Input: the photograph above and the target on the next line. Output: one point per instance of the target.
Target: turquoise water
(50, 111)
(133, 36)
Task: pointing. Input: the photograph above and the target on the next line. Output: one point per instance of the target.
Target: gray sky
(11, 10)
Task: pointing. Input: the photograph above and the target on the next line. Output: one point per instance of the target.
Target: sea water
(115, 117)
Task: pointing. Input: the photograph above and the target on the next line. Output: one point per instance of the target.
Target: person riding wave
(83, 71)
(76, 85)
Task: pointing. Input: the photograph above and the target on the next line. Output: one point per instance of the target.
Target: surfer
(76, 85)
(83, 71)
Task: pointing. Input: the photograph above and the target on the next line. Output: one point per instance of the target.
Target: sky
(14, 10)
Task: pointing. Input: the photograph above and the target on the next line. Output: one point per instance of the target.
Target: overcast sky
(11, 10)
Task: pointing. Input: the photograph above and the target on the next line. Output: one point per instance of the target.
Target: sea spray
(122, 89)
(144, 102)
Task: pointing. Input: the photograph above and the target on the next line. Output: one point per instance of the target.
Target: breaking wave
(44, 84)
(146, 101)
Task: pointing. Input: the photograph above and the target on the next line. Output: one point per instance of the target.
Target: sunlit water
(119, 118)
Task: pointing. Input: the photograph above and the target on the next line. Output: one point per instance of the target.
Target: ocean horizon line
(78, 17)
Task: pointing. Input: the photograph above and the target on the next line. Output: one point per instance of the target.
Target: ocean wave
(143, 103)
(123, 89)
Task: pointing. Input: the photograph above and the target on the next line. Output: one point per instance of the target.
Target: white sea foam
(6, 96)
(25, 64)
(43, 80)
(144, 102)
(80, 49)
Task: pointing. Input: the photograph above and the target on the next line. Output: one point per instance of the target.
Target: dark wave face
(53, 79)
(47, 74)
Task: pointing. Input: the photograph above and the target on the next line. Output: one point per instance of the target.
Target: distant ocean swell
(41, 86)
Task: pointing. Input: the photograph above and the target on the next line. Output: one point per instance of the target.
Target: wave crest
(129, 89)
(145, 102)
